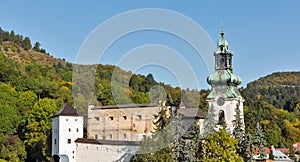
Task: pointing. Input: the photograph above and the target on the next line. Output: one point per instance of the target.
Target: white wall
(229, 110)
(104, 153)
(63, 124)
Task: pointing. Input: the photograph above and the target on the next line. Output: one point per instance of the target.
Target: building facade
(224, 96)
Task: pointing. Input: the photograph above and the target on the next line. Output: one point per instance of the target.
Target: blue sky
(264, 35)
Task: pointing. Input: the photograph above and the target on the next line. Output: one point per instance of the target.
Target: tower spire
(222, 29)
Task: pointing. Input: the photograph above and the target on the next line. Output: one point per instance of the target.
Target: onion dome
(224, 77)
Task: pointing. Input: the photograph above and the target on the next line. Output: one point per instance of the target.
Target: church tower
(67, 126)
(224, 95)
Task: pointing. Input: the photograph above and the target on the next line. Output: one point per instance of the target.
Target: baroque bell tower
(224, 95)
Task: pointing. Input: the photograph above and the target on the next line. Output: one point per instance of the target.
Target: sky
(264, 35)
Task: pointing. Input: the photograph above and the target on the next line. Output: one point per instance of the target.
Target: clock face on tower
(220, 101)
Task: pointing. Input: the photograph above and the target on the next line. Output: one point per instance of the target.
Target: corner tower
(224, 95)
(67, 126)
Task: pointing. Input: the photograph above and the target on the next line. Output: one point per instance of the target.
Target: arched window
(221, 117)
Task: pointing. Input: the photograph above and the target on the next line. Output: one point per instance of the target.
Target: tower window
(69, 141)
(221, 117)
(77, 130)
(54, 141)
(69, 129)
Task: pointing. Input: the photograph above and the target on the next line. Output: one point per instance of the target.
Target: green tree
(238, 130)
(26, 101)
(13, 149)
(37, 46)
(9, 115)
(209, 125)
(154, 147)
(26, 43)
(259, 142)
(187, 147)
(219, 146)
(37, 131)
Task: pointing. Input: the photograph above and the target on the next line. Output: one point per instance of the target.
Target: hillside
(22, 56)
(281, 89)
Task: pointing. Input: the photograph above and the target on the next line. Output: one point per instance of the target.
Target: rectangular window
(69, 129)
(77, 130)
(76, 120)
(54, 141)
(96, 136)
(69, 141)
(110, 136)
(124, 135)
(139, 117)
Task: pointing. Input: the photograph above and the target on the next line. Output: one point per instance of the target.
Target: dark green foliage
(239, 130)
(259, 142)
(12, 148)
(188, 146)
(209, 125)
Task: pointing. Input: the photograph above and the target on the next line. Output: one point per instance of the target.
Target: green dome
(224, 77)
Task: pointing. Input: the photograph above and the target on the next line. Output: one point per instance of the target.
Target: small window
(69, 129)
(54, 141)
(111, 118)
(73, 152)
(139, 117)
(124, 135)
(76, 120)
(67, 119)
(77, 130)
(96, 136)
(110, 136)
(125, 117)
(154, 116)
(97, 118)
(69, 141)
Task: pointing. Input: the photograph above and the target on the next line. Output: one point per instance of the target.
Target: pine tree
(238, 130)
(209, 124)
(249, 156)
(155, 147)
(259, 142)
(186, 148)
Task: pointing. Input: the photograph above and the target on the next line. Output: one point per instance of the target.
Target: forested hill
(281, 89)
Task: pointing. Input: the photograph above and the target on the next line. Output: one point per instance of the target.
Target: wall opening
(221, 117)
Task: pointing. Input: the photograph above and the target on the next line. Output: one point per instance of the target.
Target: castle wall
(99, 152)
(127, 123)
